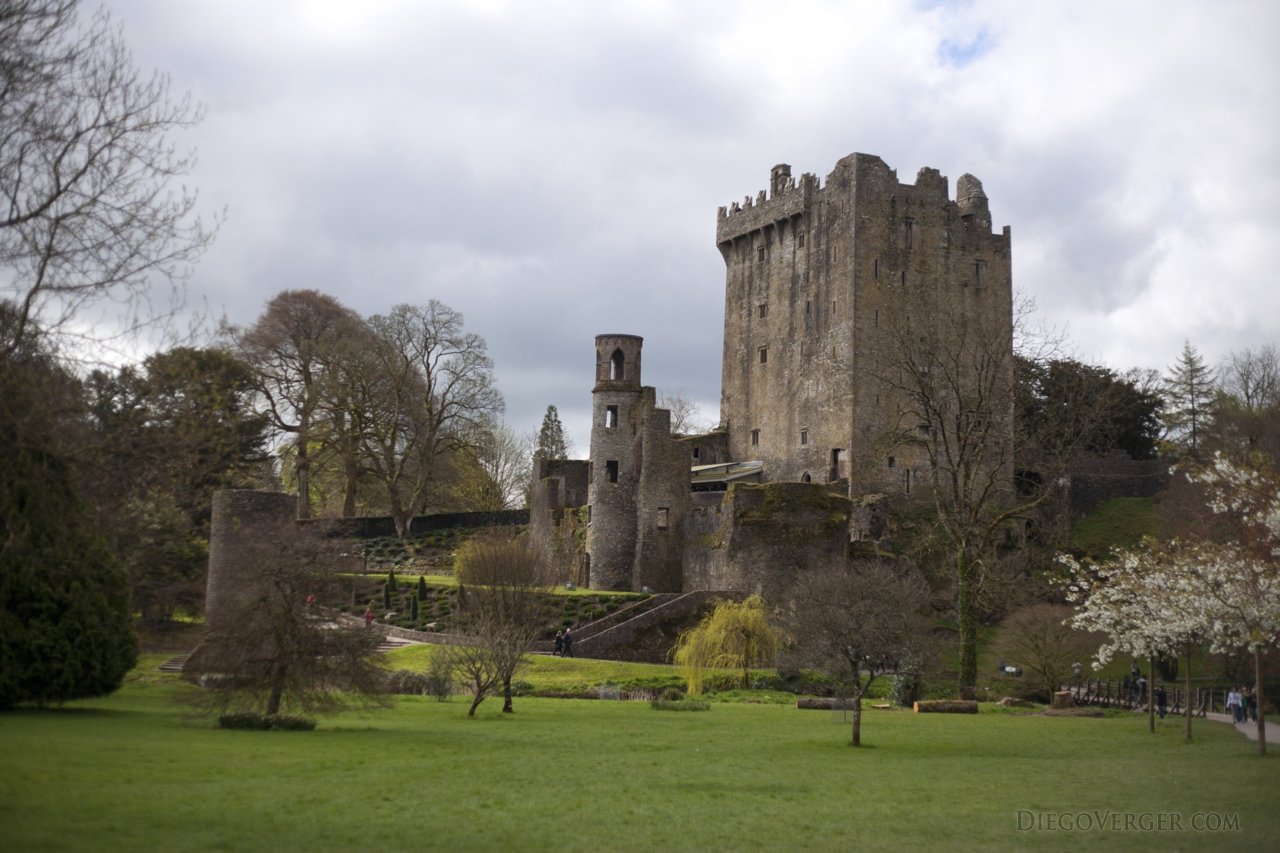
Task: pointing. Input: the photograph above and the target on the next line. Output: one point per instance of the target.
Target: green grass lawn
(129, 773)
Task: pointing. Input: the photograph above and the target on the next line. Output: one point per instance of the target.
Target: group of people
(1242, 705)
(564, 643)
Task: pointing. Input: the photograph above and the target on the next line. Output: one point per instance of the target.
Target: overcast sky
(553, 169)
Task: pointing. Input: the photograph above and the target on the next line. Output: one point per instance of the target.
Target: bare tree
(504, 456)
(1252, 378)
(280, 651)
(504, 585)
(1039, 638)
(955, 384)
(686, 416)
(87, 172)
(292, 350)
(848, 619)
(437, 394)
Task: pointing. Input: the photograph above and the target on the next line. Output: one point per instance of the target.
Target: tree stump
(1062, 699)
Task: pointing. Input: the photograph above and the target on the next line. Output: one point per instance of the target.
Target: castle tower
(826, 283)
(614, 480)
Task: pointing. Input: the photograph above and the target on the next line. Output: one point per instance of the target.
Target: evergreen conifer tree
(1189, 394)
(552, 443)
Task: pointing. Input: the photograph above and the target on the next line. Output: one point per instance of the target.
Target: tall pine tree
(1189, 393)
(552, 443)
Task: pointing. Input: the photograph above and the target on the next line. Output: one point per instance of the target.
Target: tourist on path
(568, 642)
(559, 644)
(1233, 704)
(1161, 699)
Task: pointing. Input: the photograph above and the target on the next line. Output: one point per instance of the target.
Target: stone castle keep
(824, 283)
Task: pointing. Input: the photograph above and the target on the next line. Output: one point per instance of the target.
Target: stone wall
(375, 527)
(762, 535)
(557, 529)
(1097, 479)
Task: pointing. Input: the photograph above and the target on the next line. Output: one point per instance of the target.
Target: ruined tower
(638, 489)
(824, 286)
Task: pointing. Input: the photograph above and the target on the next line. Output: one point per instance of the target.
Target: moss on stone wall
(790, 512)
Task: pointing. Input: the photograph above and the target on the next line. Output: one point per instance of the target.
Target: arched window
(805, 478)
(616, 362)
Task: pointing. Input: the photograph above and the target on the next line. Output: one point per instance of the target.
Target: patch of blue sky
(958, 53)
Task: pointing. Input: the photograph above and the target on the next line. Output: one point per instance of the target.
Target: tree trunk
(303, 470)
(506, 697)
(857, 721)
(278, 671)
(1258, 700)
(968, 628)
(1151, 686)
(1189, 702)
(475, 703)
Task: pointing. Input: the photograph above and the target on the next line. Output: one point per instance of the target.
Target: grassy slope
(127, 772)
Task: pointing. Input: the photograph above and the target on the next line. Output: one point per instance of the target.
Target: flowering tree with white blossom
(1164, 598)
(1240, 580)
(1143, 603)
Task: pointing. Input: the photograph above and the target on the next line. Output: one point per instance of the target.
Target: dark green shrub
(413, 608)
(439, 677)
(286, 723)
(386, 596)
(422, 587)
(66, 627)
(244, 720)
(408, 683)
(680, 705)
(671, 694)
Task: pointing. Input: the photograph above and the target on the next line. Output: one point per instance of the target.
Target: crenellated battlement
(783, 200)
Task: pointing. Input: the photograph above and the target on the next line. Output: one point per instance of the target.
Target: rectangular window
(755, 438)
(764, 355)
(760, 254)
(877, 269)
(906, 479)
(610, 417)
(664, 517)
(696, 449)
(611, 470)
(763, 309)
(800, 241)
(892, 461)
(804, 437)
(908, 233)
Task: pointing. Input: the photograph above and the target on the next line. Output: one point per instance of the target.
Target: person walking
(568, 642)
(1161, 700)
(1233, 704)
(559, 648)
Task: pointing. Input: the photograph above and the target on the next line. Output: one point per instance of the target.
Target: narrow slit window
(800, 241)
(760, 254)
(664, 517)
(755, 438)
(763, 310)
(764, 355)
(804, 437)
(610, 417)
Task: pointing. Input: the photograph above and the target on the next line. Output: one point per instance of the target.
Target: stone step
(175, 663)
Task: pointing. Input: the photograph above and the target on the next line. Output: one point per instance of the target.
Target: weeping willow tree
(735, 635)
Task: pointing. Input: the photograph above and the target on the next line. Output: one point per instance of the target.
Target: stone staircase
(175, 663)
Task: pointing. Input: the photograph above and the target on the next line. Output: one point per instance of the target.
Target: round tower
(611, 493)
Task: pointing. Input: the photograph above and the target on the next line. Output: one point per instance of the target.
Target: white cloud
(553, 169)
